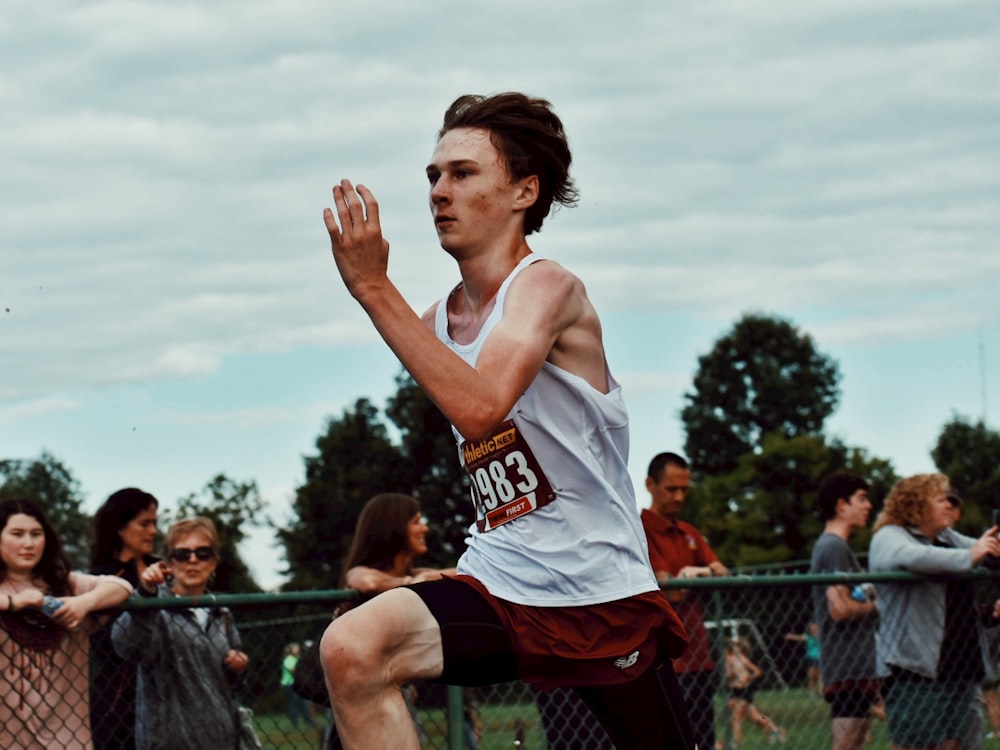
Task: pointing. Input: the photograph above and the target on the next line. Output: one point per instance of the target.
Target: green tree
(47, 482)
(233, 507)
(438, 480)
(764, 511)
(969, 453)
(355, 460)
(763, 377)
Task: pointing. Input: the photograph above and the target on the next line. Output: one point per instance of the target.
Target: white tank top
(587, 546)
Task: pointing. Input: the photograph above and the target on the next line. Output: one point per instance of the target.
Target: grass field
(805, 716)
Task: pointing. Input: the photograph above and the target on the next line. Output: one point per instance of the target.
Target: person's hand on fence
(695, 571)
(72, 612)
(236, 660)
(987, 544)
(431, 574)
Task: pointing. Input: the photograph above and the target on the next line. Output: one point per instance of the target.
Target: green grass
(276, 733)
(804, 715)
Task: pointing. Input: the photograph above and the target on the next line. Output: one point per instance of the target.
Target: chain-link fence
(768, 615)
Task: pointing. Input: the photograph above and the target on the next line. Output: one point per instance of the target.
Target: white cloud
(35, 407)
(166, 165)
(639, 384)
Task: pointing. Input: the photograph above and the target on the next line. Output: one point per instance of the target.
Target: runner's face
(471, 194)
(668, 495)
(418, 529)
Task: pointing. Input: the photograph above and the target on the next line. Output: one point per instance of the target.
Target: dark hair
(836, 487)
(117, 512)
(531, 139)
(54, 565)
(661, 461)
(381, 532)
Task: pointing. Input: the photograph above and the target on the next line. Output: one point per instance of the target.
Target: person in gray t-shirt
(846, 615)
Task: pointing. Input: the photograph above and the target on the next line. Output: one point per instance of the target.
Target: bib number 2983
(507, 481)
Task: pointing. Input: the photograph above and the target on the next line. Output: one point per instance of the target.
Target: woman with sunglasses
(124, 534)
(189, 659)
(46, 617)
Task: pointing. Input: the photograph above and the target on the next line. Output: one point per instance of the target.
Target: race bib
(507, 481)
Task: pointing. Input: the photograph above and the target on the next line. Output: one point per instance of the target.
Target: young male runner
(555, 587)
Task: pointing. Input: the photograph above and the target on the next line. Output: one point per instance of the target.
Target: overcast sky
(169, 309)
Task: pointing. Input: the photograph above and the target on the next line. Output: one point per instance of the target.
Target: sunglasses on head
(183, 554)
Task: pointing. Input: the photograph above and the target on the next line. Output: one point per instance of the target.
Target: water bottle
(50, 604)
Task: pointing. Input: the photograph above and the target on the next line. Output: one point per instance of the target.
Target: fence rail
(770, 612)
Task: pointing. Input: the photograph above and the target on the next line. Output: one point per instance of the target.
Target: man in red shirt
(678, 550)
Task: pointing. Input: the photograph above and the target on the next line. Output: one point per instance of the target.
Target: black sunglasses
(183, 554)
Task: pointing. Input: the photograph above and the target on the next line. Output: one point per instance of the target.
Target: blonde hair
(195, 524)
(909, 500)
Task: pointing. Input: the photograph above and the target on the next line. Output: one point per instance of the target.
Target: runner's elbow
(479, 424)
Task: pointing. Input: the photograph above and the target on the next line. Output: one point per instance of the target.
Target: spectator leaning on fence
(389, 536)
(678, 550)
(975, 729)
(44, 691)
(124, 534)
(931, 635)
(189, 659)
(846, 615)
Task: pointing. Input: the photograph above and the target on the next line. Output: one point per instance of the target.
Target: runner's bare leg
(368, 653)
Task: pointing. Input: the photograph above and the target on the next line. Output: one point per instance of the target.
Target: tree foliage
(754, 423)
(354, 460)
(438, 481)
(47, 482)
(764, 377)
(232, 506)
(764, 511)
(969, 453)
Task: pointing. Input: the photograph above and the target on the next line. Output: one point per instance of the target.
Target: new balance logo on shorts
(624, 662)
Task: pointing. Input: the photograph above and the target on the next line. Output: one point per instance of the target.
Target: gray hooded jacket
(185, 692)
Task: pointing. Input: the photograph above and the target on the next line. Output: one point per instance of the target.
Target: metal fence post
(456, 718)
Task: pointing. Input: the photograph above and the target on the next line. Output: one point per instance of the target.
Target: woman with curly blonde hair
(932, 637)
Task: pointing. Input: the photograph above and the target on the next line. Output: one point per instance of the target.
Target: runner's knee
(348, 656)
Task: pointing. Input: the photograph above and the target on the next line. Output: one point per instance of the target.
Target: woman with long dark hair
(124, 535)
(388, 536)
(46, 616)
